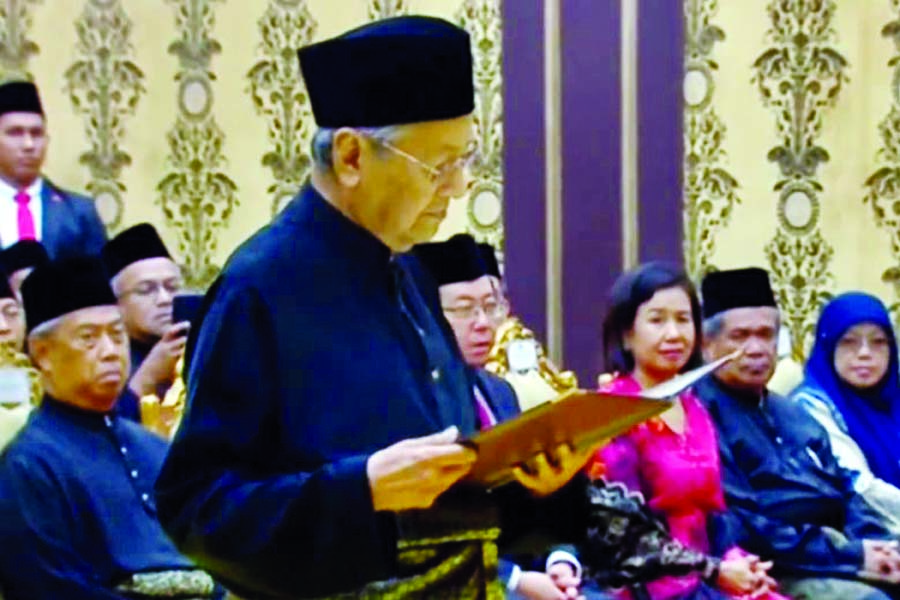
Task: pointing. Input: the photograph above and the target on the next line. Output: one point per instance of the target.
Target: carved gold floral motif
(16, 48)
(105, 85)
(279, 96)
(799, 76)
(482, 19)
(710, 190)
(883, 185)
(196, 195)
(382, 9)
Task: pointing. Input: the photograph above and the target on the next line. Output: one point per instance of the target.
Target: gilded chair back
(163, 416)
(20, 391)
(518, 357)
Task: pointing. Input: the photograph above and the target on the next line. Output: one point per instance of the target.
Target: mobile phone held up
(186, 307)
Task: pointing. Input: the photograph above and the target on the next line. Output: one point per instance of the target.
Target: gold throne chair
(20, 391)
(519, 358)
(163, 415)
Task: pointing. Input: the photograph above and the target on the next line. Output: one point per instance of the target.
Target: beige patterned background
(190, 113)
(792, 126)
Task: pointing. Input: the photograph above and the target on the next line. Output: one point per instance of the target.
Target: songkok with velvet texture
(135, 243)
(395, 71)
(737, 288)
(63, 286)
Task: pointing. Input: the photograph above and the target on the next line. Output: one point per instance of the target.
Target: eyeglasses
(492, 309)
(151, 289)
(441, 172)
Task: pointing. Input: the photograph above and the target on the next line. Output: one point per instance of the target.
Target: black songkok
(391, 72)
(135, 243)
(20, 96)
(489, 256)
(25, 254)
(457, 259)
(64, 286)
(738, 288)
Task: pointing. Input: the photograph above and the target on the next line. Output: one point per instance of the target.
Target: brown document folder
(580, 418)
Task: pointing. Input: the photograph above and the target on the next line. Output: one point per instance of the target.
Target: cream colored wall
(822, 238)
(190, 151)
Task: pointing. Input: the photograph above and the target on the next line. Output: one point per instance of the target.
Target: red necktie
(25, 218)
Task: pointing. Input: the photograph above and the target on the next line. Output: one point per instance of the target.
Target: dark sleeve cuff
(129, 405)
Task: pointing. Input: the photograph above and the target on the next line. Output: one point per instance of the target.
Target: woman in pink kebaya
(652, 333)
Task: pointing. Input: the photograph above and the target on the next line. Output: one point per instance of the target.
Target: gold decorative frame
(12, 358)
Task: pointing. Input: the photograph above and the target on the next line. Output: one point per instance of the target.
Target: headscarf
(872, 415)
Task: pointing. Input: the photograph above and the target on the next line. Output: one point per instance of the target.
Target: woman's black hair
(631, 290)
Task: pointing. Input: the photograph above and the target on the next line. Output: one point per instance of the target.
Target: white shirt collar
(34, 190)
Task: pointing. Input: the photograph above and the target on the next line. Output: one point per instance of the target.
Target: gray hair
(713, 326)
(45, 329)
(322, 143)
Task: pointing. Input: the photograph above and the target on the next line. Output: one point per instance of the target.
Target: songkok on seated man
(797, 506)
(737, 288)
(469, 296)
(20, 259)
(489, 256)
(76, 486)
(146, 280)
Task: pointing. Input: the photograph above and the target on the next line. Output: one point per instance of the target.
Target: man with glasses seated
(474, 306)
(468, 285)
(145, 279)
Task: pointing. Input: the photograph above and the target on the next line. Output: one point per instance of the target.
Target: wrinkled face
(399, 197)
(85, 359)
(472, 308)
(145, 290)
(862, 355)
(663, 335)
(23, 145)
(12, 323)
(754, 330)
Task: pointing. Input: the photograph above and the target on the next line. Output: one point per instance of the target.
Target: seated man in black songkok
(145, 279)
(77, 512)
(789, 500)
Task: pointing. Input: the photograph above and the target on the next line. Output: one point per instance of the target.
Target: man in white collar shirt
(32, 208)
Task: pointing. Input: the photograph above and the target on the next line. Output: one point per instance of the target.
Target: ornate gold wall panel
(799, 76)
(279, 96)
(382, 9)
(804, 110)
(883, 185)
(484, 206)
(105, 86)
(191, 114)
(710, 190)
(16, 48)
(196, 194)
